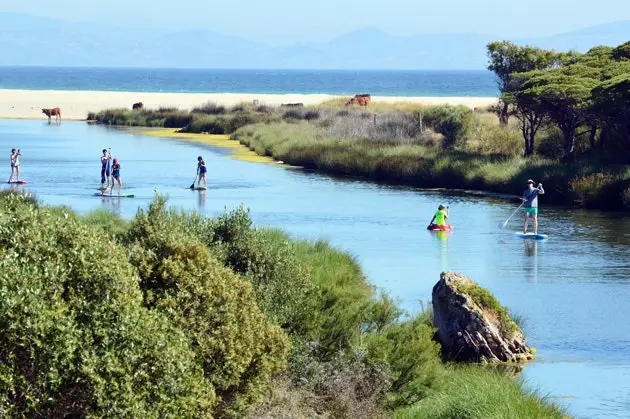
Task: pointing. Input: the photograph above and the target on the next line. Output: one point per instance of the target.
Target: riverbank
(318, 339)
(75, 105)
(585, 184)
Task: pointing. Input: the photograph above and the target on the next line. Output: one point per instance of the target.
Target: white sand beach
(27, 104)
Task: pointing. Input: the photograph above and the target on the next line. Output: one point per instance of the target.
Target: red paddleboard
(18, 182)
(435, 227)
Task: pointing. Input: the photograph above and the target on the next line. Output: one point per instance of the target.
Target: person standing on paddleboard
(105, 172)
(15, 165)
(116, 175)
(530, 199)
(201, 172)
(440, 216)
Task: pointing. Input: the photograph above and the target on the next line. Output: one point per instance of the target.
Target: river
(573, 290)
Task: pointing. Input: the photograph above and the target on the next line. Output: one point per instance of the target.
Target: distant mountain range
(35, 41)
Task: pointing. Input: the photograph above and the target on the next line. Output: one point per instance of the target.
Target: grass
(484, 299)
(474, 393)
(586, 183)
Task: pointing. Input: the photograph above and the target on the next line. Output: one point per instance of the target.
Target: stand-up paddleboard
(201, 188)
(114, 195)
(18, 182)
(533, 236)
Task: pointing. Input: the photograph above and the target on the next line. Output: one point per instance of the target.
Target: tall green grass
(474, 393)
(585, 183)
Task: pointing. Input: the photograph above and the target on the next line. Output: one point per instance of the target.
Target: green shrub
(413, 357)
(210, 108)
(181, 278)
(451, 121)
(75, 337)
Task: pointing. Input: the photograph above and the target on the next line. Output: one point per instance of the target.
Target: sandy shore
(27, 104)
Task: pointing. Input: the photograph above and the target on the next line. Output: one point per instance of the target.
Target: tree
(564, 95)
(531, 115)
(611, 104)
(506, 59)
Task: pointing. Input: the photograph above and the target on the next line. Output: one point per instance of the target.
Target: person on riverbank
(201, 172)
(15, 165)
(440, 216)
(105, 169)
(530, 199)
(116, 166)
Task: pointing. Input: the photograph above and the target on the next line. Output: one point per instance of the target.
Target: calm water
(383, 83)
(573, 290)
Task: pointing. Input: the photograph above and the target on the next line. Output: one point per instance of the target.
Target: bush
(210, 108)
(76, 339)
(451, 121)
(179, 276)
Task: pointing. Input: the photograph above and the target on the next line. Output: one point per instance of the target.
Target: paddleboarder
(105, 169)
(15, 164)
(116, 176)
(530, 203)
(201, 172)
(440, 216)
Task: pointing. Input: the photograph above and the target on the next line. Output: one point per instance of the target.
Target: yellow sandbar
(238, 150)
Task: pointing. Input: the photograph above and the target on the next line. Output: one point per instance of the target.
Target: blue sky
(290, 21)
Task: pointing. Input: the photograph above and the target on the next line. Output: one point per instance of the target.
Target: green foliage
(622, 52)
(484, 299)
(474, 393)
(76, 339)
(106, 221)
(210, 108)
(179, 276)
(413, 357)
(451, 121)
(305, 145)
(209, 118)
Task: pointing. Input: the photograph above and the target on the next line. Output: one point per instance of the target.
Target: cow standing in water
(56, 112)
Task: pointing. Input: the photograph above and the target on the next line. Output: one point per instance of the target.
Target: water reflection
(441, 239)
(531, 260)
(111, 203)
(531, 247)
(201, 200)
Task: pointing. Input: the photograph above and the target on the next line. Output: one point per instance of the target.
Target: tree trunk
(504, 113)
(592, 138)
(568, 130)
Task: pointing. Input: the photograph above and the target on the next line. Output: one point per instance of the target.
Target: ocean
(473, 83)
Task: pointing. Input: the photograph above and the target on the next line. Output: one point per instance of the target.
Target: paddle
(503, 224)
(193, 184)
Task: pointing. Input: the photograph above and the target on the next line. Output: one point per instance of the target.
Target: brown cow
(138, 105)
(56, 112)
(361, 100)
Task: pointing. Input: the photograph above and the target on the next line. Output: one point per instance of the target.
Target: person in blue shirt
(530, 199)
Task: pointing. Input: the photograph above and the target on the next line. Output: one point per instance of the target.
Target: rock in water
(471, 324)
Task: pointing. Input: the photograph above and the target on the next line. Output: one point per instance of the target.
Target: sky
(284, 22)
